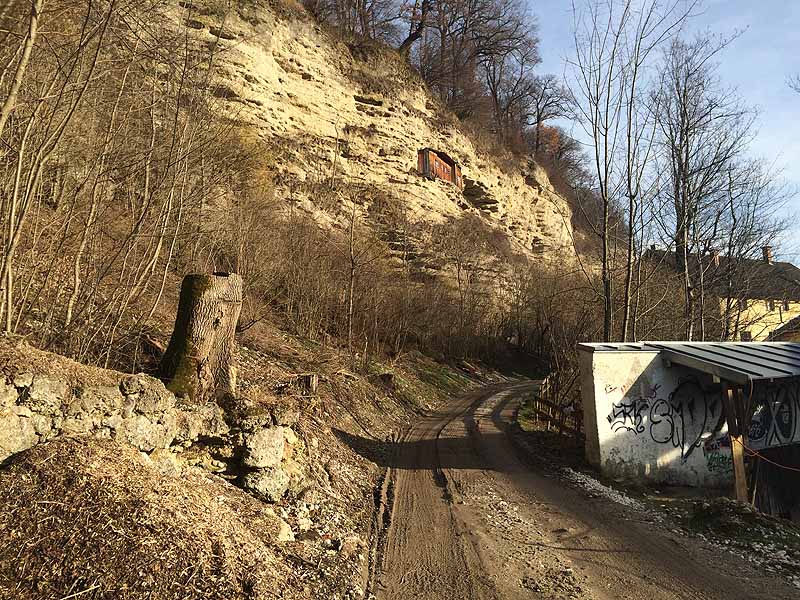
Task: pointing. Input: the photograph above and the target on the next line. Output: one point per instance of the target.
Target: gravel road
(464, 516)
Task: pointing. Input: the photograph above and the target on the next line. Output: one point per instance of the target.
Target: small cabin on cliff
(435, 164)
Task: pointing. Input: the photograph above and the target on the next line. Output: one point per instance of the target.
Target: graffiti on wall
(776, 421)
(630, 414)
(717, 452)
(686, 419)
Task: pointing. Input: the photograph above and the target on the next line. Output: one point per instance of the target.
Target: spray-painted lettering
(683, 420)
(776, 420)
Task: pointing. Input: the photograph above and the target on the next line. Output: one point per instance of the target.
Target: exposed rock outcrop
(357, 115)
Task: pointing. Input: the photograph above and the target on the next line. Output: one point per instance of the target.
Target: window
(785, 305)
(770, 305)
(746, 336)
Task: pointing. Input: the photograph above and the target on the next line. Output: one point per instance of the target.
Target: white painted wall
(647, 421)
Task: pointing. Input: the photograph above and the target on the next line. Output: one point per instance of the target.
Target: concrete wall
(647, 421)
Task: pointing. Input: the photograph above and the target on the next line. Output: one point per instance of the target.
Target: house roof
(740, 277)
(791, 326)
(443, 155)
(738, 362)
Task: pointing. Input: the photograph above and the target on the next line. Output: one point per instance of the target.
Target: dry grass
(96, 518)
(17, 357)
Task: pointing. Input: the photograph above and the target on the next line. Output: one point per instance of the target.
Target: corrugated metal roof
(739, 362)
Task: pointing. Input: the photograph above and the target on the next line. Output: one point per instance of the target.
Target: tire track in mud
(437, 561)
(460, 514)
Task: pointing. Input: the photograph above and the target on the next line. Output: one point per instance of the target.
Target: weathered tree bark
(308, 382)
(198, 364)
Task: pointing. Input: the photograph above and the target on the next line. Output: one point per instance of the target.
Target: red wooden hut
(435, 164)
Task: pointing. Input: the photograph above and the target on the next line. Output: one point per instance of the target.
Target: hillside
(197, 137)
(355, 114)
(118, 462)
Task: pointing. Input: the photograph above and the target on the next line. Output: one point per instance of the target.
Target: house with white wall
(687, 413)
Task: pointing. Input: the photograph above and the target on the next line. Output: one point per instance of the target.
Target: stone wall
(256, 447)
(35, 408)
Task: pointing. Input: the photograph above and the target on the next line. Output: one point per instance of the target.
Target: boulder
(196, 421)
(101, 400)
(17, 433)
(284, 533)
(264, 448)
(270, 483)
(23, 380)
(133, 384)
(8, 395)
(45, 395)
(76, 426)
(144, 434)
(154, 399)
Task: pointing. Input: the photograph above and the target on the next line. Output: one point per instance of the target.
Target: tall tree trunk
(608, 294)
(198, 364)
(629, 258)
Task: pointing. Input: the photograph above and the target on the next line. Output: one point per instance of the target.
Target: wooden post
(308, 383)
(737, 444)
(199, 362)
(740, 477)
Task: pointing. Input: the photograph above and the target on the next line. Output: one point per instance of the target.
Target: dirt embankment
(99, 511)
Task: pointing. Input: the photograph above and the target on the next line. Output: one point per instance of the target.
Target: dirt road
(464, 517)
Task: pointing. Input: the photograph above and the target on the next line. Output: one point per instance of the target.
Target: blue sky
(758, 63)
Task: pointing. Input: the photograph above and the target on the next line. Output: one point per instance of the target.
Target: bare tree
(613, 44)
(508, 80)
(549, 99)
(704, 128)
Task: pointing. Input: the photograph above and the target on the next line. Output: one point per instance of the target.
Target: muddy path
(462, 515)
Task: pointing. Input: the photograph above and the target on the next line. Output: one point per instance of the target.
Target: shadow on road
(442, 440)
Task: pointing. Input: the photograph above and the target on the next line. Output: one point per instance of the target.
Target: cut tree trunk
(308, 382)
(199, 362)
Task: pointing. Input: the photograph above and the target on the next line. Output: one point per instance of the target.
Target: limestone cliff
(357, 114)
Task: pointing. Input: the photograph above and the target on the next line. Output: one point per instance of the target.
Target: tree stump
(308, 382)
(198, 364)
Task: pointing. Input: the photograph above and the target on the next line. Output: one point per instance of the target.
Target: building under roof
(688, 412)
(736, 362)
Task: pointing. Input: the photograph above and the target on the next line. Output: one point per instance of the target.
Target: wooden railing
(559, 409)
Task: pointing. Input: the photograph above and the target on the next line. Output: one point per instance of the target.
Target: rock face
(359, 115)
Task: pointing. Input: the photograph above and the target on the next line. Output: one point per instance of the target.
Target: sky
(758, 63)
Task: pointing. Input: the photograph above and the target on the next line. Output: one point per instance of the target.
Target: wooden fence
(560, 409)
